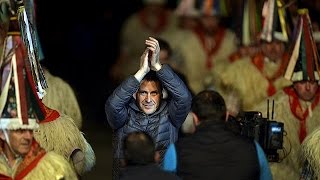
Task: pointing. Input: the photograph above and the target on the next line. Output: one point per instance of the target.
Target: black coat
(215, 152)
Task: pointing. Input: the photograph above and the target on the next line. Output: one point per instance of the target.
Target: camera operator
(215, 147)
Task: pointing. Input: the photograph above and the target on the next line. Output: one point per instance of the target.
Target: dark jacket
(124, 116)
(147, 172)
(214, 152)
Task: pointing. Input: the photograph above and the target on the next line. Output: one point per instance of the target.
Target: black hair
(209, 105)
(152, 76)
(139, 148)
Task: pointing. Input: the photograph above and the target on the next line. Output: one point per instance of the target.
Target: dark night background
(80, 43)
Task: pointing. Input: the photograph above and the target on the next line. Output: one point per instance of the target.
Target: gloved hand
(78, 161)
(154, 47)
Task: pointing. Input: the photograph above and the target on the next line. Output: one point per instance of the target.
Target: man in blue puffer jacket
(154, 100)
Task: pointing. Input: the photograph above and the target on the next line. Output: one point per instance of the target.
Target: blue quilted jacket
(124, 116)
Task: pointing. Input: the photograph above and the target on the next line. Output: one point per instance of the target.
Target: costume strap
(30, 161)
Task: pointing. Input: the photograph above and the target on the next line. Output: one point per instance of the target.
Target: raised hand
(144, 66)
(153, 46)
(144, 62)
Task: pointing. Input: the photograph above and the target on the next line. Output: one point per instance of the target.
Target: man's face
(148, 96)
(306, 90)
(20, 140)
(273, 50)
(210, 24)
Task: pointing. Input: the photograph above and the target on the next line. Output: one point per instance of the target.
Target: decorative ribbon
(309, 71)
(295, 54)
(51, 115)
(251, 23)
(268, 14)
(28, 35)
(282, 19)
(30, 161)
(20, 89)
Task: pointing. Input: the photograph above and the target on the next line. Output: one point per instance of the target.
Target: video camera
(268, 133)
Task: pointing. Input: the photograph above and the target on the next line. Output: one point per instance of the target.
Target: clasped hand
(150, 57)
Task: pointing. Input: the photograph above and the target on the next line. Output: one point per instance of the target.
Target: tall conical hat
(19, 103)
(304, 63)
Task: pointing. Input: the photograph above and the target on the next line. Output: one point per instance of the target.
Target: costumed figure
(57, 132)
(21, 156)
(297, 106)
(188, 19)
(260, 76)
(209, 46)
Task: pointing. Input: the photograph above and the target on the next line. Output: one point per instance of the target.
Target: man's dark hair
(139, 148)
(152, 76)
(209, 105)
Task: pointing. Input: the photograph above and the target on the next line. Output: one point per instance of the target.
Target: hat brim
(298, 76)
(16, 123)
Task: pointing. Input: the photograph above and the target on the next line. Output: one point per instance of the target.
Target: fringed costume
(254, 78)
(260, 75)
(300, 118)
(58, 133)
(311, 150)
(62, 97)
(200, 59)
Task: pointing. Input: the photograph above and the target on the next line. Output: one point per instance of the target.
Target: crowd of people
(261, 51)
(184, 80)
